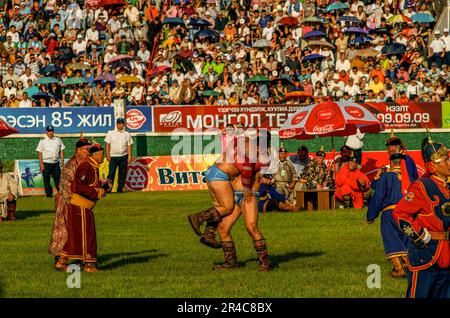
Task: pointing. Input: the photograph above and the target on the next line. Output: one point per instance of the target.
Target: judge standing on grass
(118, 152)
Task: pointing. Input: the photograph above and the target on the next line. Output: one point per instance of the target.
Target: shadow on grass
(22, 215)
(276, 260)
(127, 258)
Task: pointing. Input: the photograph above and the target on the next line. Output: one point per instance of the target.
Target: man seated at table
(316, 174)
(352, 186)
(285, 177)
(300, 160)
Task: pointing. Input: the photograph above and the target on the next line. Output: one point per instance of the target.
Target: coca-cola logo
(354, 111)
(172, 119)
(135, 119)
(325, 114)
(138, 174)
(299, 117)
(287, 133)
(323, 129)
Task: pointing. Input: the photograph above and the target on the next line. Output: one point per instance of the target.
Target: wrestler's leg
(223, 194)
(226, 240)
(250, 212)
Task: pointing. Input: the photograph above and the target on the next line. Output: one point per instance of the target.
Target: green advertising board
(446, 115)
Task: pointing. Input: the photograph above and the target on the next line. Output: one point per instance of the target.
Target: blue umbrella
(314, 33)
(312, 57)
(50, 69)
(361, 39)
(207, 34)
(198, 22)
(394, 49)
(178, 21)
(336, 6)
(423, 18)
(349, 18)
(355, 30)
(44, 95)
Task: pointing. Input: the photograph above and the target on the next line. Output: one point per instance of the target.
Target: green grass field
(147, 248)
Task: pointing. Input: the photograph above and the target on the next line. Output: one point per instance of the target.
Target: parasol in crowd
(312, 20)
(120, 58)
(111, 3)
(349, 18)
(258, 79)
(367, 52)
(288, 21)
(312, 57)
(394, 49)
(261, 43)
(320, 43)
(78, 66)
(198, 22)
(423, 18)
(398, 18)
(105, 77)
(355, 30)
(47, 80)
(158, 69)
(207, 34)
(74, 81)
(315, 33)
(174, 21)
(129, 79)
(336, 6)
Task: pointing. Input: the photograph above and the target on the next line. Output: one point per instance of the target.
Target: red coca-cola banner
(407, 116)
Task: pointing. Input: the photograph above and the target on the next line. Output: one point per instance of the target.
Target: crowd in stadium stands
(61, 53)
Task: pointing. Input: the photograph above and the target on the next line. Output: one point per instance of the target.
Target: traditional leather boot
(197, 219)
(11, 211)
(229, 251)
(263, 255)
(397, 270)
(209, 237)
(61, 263)
(90, 268)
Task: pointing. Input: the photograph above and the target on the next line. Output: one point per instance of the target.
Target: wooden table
(316, 200)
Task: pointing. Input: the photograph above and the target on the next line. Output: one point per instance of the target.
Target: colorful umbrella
(178, 21)
(198, 22)
(47, 80)
(380, 31)
(6, 129)
(120, 58)
(129, 79)
(355, 30)
(65, 56)
(398, 18)
(74, 81)
(336, 6)
(330, 119)
(320, 43)
(367, 52)
(312, 57)
(78, 66)
(361, 39)
(258, 78)
(394, 49)
(159, 69)
(50, 69)
(206, 34)
(423, 18)
(288, 21)
(312, 20)
(210, 93)
(315, 33)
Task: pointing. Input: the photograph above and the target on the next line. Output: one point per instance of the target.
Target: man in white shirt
(437, 50)
(93, 35)
(355, 142)
(343, 63)
(446, 39)
(79, 45)
(51, 155)
(25, 102)
(118, 152)
(336, 87)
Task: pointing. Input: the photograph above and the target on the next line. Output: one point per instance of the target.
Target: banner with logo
(31, 181)
(70, 120)
(446, 115)
(407, 116)
(169, 118)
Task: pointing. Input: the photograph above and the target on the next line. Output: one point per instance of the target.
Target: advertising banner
(72, 120)
(446, 115)
(407, 116)
(167, 173)
(169, 118)
(31, 181)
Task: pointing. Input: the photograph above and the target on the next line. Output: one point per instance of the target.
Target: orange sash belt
(78, 200)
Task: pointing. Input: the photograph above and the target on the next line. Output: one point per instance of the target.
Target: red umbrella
(120, 57)
(288, 21)
(330, 119)
(297, 94)
(158, 70)
(111, 3)
(6, 129)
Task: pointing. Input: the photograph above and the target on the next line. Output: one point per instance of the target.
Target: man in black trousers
(51, 155)
(118, 152)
